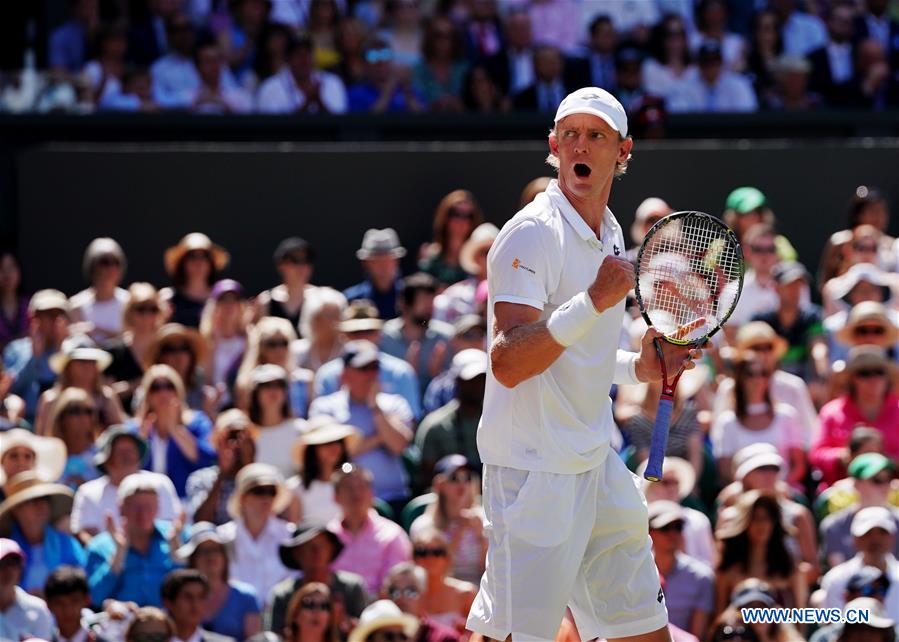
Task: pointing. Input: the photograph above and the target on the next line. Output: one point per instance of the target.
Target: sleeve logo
(516, 264)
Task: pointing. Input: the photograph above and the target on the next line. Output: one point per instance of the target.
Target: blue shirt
(391, 482)
(32, 374)
(396, 377)
(241, 601)
(67, 46)
(141, 574)
(363, 96)
(57, 549)
(384, 301)
(440, 391)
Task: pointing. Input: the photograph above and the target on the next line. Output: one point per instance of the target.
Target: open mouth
(581, 170)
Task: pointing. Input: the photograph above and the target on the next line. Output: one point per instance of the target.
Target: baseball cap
(745, 199)
(226, 286)
(789, 271)
(872, 517)
(597, 102)
(450, 463)
(44, 300)
(9, 547)
(140, 482)
(475, 364)
(663, 512)
(877, 618)
(865, 577)
(867, 465)
(759, 460)
(751, 593)
(358, 354)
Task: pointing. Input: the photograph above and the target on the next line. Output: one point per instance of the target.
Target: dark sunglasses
(764, 249)
(263, 491)
(75, 411)
(108, 261)
(468, 216)
(881, 480)
(175, 348)
(145, 309)
(158, 386)
(868, 373)
(274, 344)
(430, 552)
(195, 255)
(397, 593)
(314, 605)
(869, 331)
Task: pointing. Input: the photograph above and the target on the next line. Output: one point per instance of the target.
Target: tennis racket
(689, 278)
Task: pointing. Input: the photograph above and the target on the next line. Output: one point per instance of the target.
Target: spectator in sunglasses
(319, 327)
(184, 595)
(74, 420)
(457, 215)
(404, 586)
(269, 409)
(141, 320)
(858, 249)
(867, 323)
(868, 582)
(688, 584)
(193, 265)
(759, 294)
(753, 593)
(184, 350)
(869, 401)
(255, 531)
(446, 600)
(456, 514)
(311, 615)
(387, 86)
(294, 259)
(384, 622)
(150, 624)
(178, 437)
(100, 306)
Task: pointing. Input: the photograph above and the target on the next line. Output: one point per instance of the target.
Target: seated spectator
(404, 586)
(149, 623)
(548, 89)
(255, 531)
(69, 43)
(239, 40)
(269, 344)
(175, 77)
(294, 259)
(209, 489)
(862, 440)
(372, 544)
(27, 359)
(105, 72)
(320, 329)
(324, 16)
(323, 448)
(178, 437)
(457, 215)
(101, 305)
(878, 626)
(68, 594)
(871, 585)
(802, 32)
(677, 484)
(712, 25)
(873, 530)
(878, 87)
(213, 94)
(232, 607)
(833, 69)
(713, 89)
(869, 401)
(224, 327)
(512, 67)
(688, 583)
(385, 421)
(79, 364)
(480, 93)
(351, 34)
(28, 515)
(380, 255)
(269, 410)
(383, 620)
(440, 74)
(483, 31)
(24, 615)
(74, 420)
(456, 514)
(648, 213)
(671, 62)
(459, 298)
(452, 428)
(753, 544)
(142, 318)
(868, 322)
(184, 594)
(20, 450)
(752, 593)
(415, 335)
(632, 89)
(184, 350)
(869, 206)
(127, 562)
(402, 31)
(792, 91)
(446, 600)
(136, 96)
(193, 265)
(470, 338)
(311, 550)
(386, 86)
(759, 293)
(311, 616)
(14, 321)
(299, 88)
(755, 418)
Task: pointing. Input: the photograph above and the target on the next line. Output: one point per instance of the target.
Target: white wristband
(572, 320)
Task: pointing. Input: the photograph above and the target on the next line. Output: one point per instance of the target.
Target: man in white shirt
(184, 595)
(567, 520)
(175, 78)
(759, 294)
(21, 615)
(298, 87)
(713, 89)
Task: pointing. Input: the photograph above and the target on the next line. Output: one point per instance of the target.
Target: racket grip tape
(659, 440)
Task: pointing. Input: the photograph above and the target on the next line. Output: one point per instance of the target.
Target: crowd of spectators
(449, 56)
(188, 461)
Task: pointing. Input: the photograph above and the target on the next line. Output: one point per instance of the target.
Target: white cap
(759, 460)
(140, 482)
(597, 102)
(872, 517)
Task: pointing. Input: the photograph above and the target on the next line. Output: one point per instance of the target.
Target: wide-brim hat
(868, 312)
(79, 348)
(27, 486)
(255, 475)
(482, 236)
(325, 431)
(175, 331)
(200, 533)
(306, 532)
(195, 241)
(756, 332)
(107, 439)
(380, 614)
(49, 299)
(869, 356)
(677, 467)
(734, 520)
(49, 453)
(360, 316)
(384, 242)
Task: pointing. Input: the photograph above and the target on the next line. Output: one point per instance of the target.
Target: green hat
(867, 465)
(745, 199)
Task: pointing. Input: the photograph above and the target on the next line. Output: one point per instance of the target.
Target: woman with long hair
(402, 32)
(74, 420)
(440, 75)
(310, 615)
(269, 410)
(351, 35)
(224, 327)
(755, 418)
(13, 304)
(670, 62)
(178, 436)
(446, 599)
(320, 328)
(457, 215)
(193, 265)
(753, 543)
(458, 517)
(239, 40)
(765, 47)
(182, 349)
(324, 16)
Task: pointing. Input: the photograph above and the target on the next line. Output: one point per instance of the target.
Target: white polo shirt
(559, 421)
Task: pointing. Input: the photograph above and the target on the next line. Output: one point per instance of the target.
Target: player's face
(588, 150)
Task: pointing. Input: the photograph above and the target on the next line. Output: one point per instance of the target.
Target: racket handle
(659, 440)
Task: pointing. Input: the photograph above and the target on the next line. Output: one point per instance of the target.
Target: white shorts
(580, 541)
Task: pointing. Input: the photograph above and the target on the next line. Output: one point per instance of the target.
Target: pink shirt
(837, 419)
(373, 551)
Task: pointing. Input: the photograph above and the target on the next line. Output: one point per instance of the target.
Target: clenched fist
(614, 279)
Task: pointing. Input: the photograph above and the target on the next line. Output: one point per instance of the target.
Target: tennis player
(567, 520)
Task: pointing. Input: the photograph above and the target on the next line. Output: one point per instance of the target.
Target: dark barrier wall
(248, 196)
